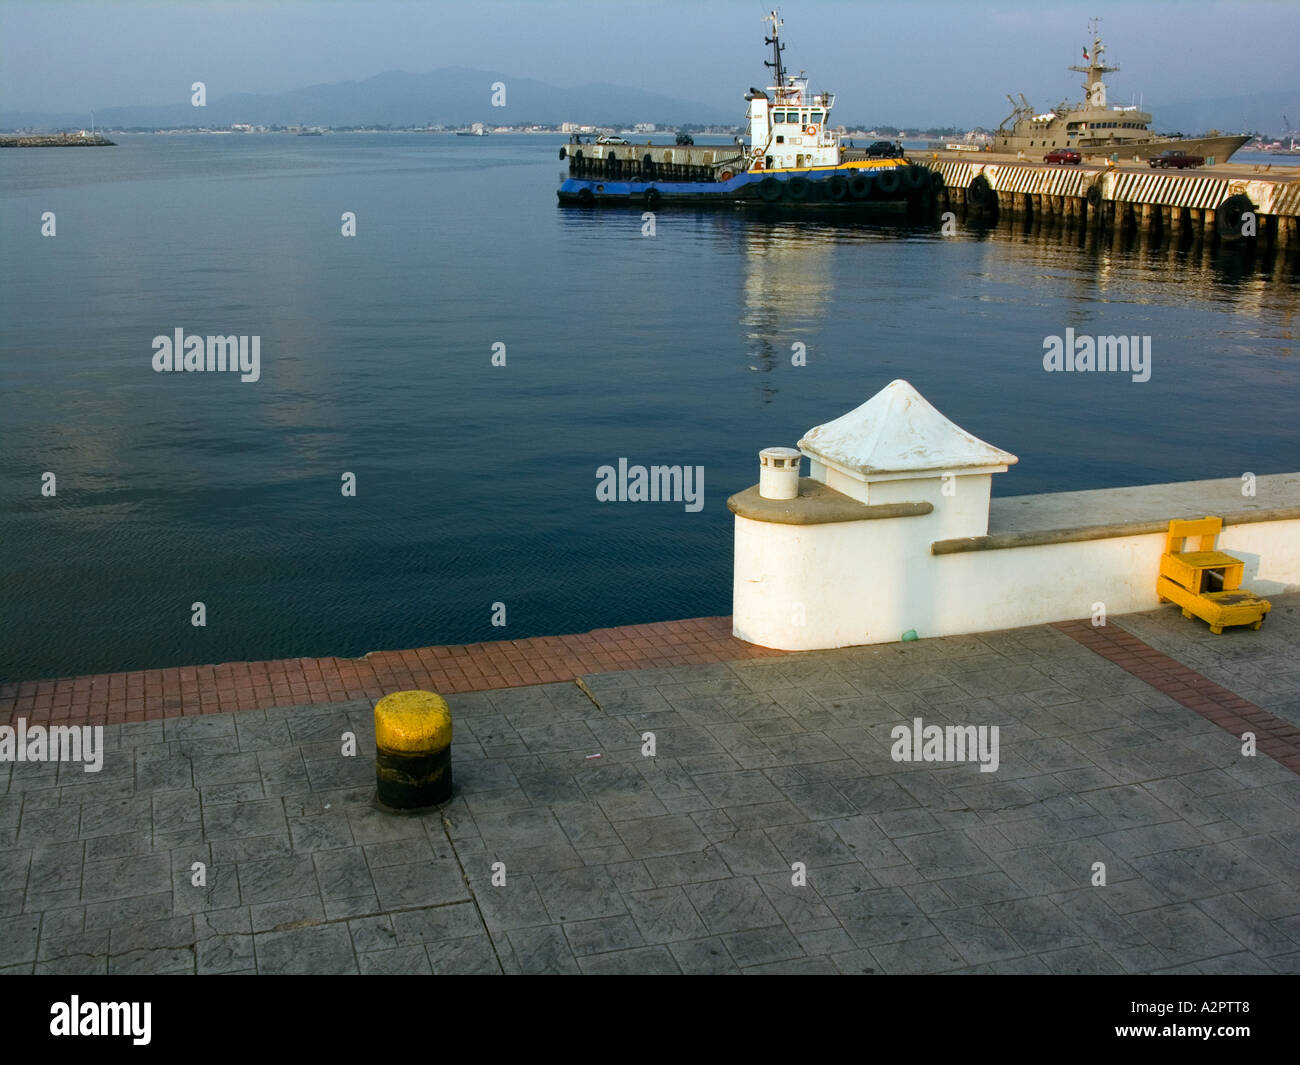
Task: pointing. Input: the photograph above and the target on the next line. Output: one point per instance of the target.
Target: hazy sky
(920, 62)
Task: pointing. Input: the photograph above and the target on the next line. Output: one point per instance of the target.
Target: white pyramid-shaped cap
(897, 432)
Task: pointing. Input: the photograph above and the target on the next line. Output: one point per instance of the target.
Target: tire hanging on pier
(979, 193)
(563, 153)
(887, 180)
(652, 198)
(1094, 196)
(1228, 218)
(837, 188)
(797, 188)
(937, 185)
(769, 189)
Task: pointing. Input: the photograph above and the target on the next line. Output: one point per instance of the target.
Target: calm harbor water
(475, 484)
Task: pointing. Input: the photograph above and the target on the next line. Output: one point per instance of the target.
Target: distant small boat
(315, 131)
(476, 130)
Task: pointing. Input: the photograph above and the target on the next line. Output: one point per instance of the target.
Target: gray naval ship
(1094, 129)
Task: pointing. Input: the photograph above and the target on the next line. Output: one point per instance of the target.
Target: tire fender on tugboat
(769, 189)
(887, 180)
(797, 188)
(837, 187)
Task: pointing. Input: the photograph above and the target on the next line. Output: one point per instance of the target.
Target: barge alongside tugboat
(793, 158)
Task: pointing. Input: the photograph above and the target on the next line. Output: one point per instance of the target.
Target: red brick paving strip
(1278, 739)
(150, 694)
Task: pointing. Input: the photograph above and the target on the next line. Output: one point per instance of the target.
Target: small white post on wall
(778, 472)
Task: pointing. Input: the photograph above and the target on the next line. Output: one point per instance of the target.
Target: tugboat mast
(777, 48)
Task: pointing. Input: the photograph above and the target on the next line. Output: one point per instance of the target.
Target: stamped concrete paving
(1263, 667)
(682, 862)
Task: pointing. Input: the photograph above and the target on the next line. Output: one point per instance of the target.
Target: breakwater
(55, 140)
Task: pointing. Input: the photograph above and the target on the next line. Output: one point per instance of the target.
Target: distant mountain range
(453, 96)
(457, 96)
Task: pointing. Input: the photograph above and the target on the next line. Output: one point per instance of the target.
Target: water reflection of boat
(790, 286)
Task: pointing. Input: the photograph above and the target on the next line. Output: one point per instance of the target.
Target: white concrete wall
(963, 513)
(803, 587)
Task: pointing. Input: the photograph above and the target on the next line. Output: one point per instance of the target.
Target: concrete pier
(1148, 203)
(894, 530)
(682, 862)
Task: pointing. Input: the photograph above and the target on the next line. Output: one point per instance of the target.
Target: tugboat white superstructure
(793, 156)
(791, 129)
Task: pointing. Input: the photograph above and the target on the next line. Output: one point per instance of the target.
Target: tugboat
(1092, 129)
(793, 158)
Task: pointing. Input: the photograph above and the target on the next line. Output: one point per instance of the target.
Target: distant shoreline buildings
(976, 139)
(638, 129)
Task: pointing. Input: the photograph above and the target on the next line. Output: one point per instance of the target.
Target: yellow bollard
(412, 750)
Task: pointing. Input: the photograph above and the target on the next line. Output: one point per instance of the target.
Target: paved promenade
(1118, 746)
(153, 694)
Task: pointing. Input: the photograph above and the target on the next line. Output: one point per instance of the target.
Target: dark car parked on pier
(1176, 158)
(884, 150)
(1063, 156)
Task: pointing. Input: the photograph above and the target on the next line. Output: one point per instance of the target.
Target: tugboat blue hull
(853, 184)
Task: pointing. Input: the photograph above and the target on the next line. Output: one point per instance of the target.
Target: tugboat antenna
(777, 48)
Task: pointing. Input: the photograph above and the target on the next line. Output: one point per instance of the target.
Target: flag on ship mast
(1085, 55)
